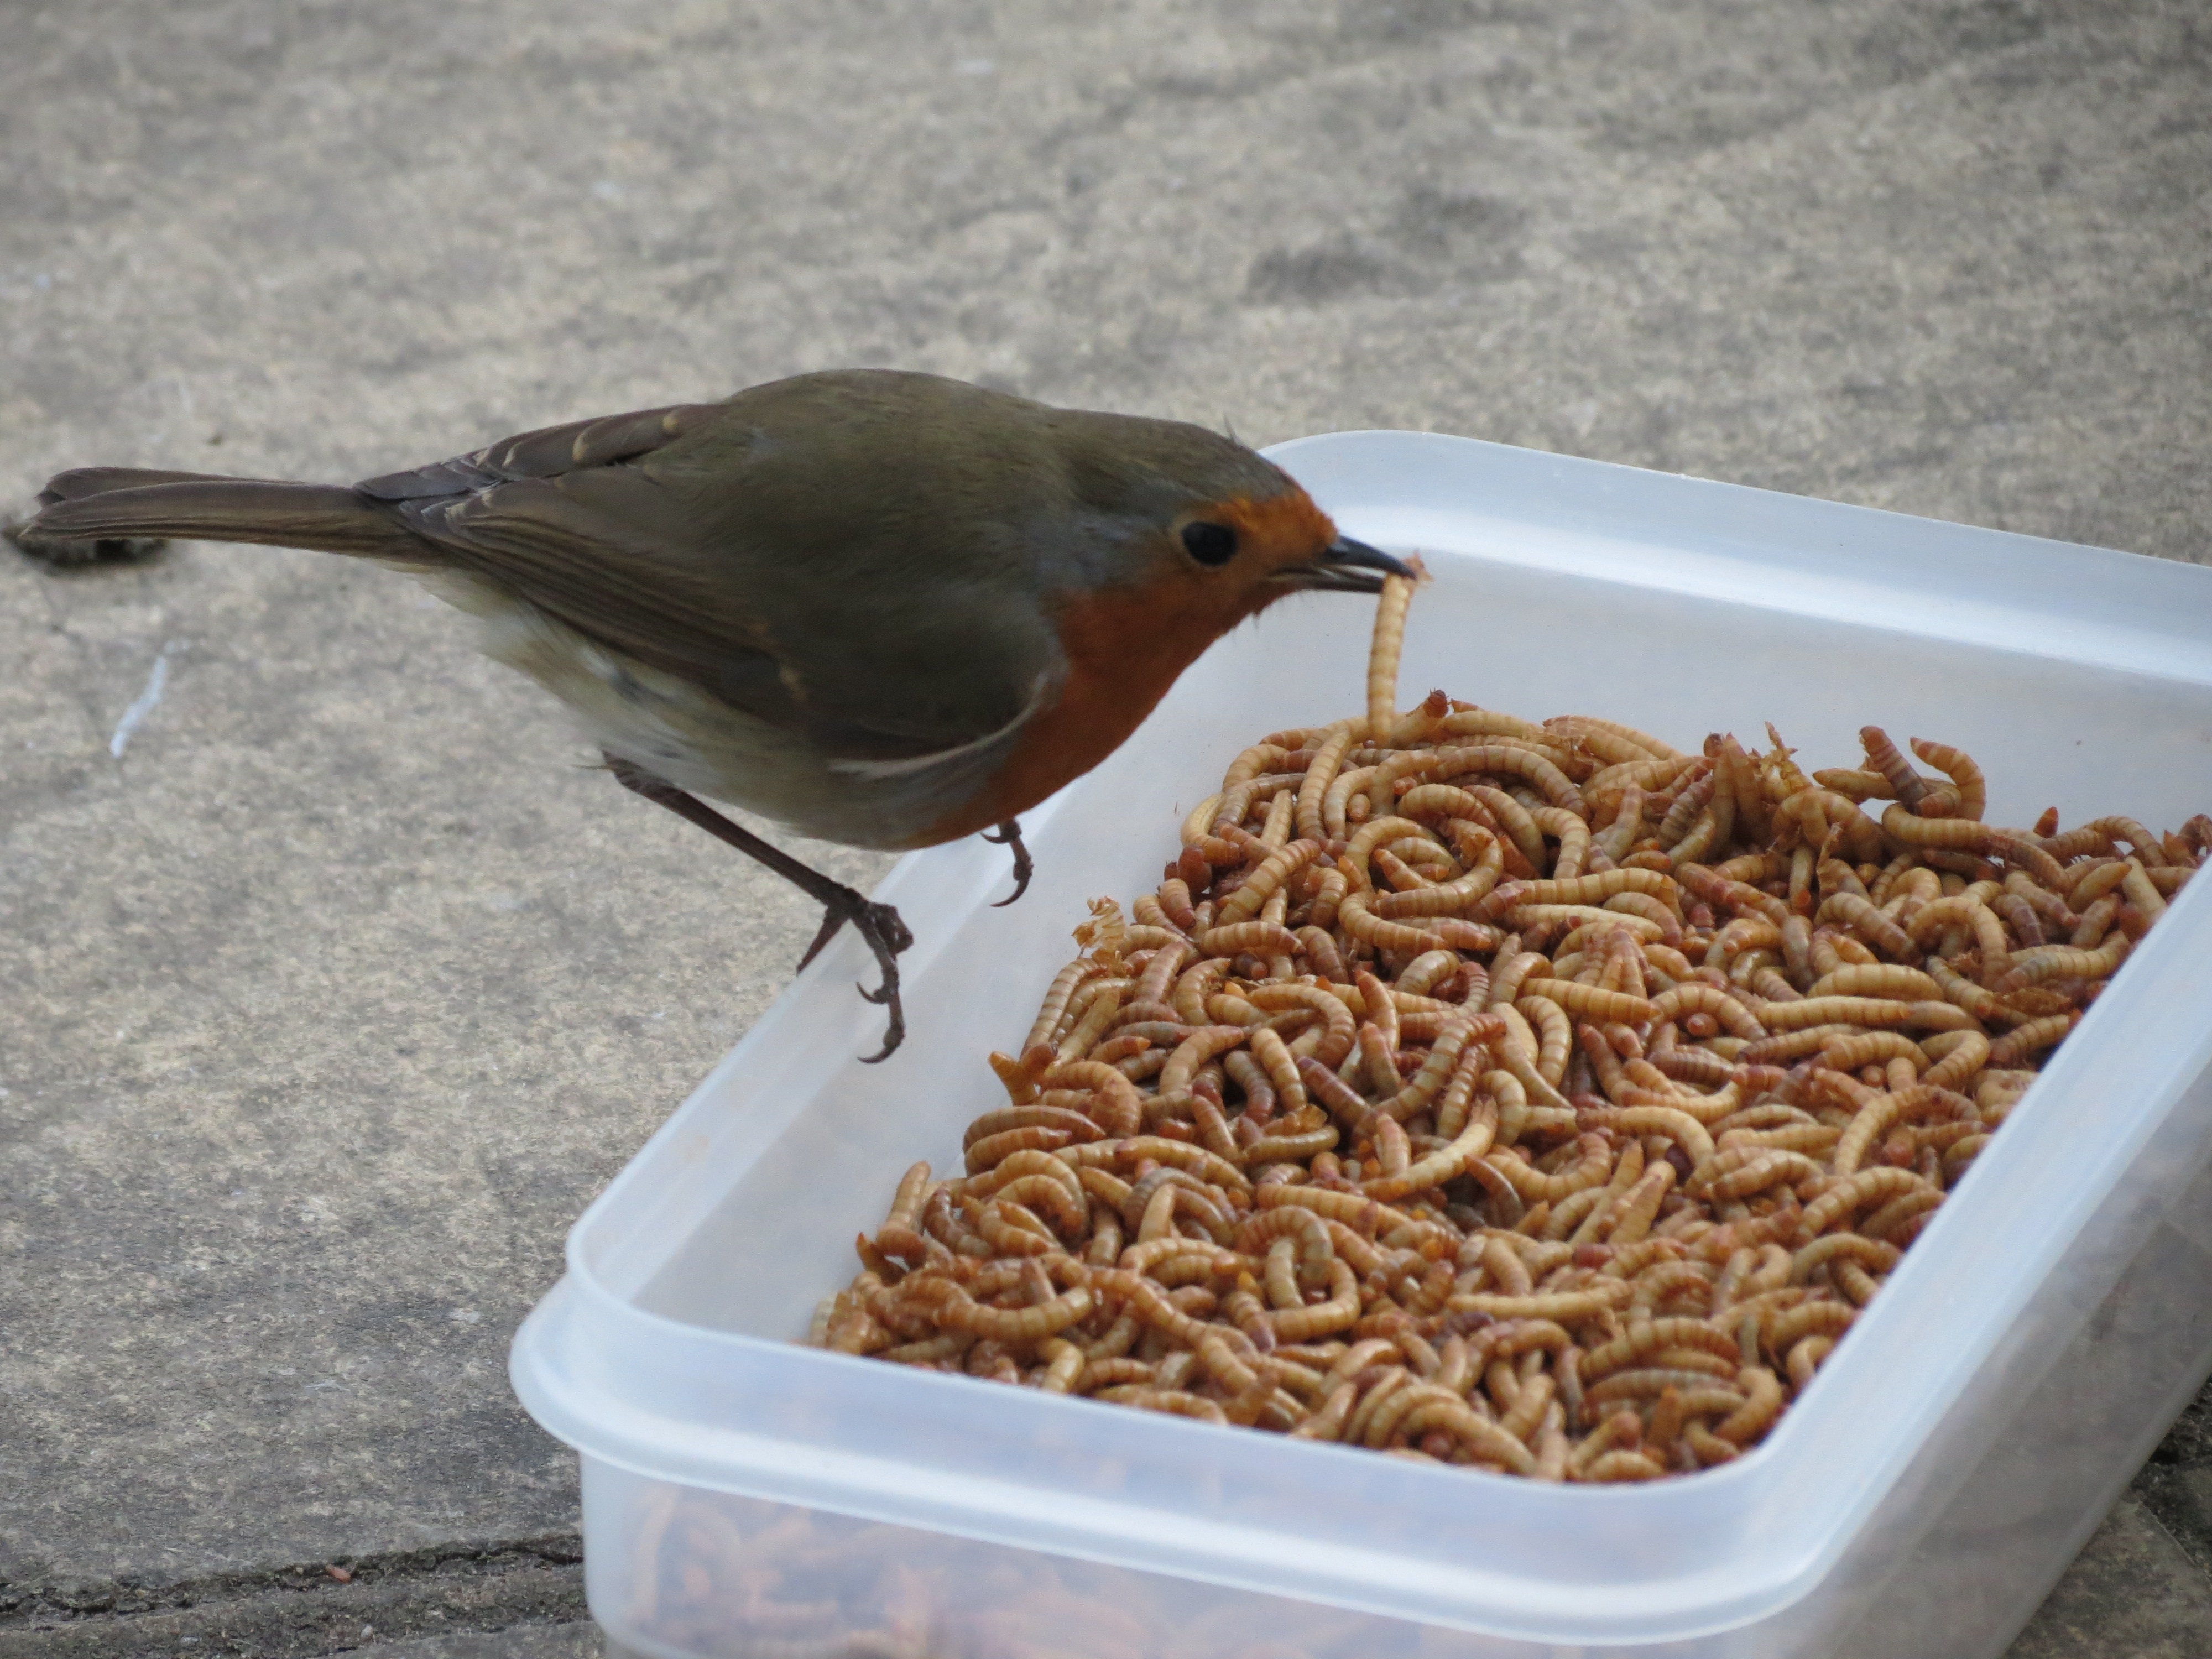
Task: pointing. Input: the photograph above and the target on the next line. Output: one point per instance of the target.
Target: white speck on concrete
(144, 704)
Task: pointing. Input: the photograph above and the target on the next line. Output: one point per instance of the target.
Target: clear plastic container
(745, 1496)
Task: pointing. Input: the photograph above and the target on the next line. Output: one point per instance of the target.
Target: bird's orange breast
(1125, 647)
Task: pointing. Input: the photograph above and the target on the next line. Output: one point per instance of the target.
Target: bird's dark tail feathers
(98, 503)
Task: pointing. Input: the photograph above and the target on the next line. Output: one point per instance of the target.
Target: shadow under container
(744, 1496)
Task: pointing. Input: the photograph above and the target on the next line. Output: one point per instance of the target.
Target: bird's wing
(583, 522)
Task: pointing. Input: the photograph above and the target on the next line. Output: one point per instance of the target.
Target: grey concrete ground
(334, 987)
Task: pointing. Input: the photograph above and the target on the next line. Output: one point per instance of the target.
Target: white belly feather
(679, 733)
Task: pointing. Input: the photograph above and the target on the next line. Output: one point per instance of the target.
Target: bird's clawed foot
(885, 933)
(1009, 834)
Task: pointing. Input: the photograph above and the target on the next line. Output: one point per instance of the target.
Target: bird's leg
(879, 925)
(1009, 834)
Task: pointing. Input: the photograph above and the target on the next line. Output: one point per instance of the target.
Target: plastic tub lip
(1797, 1543)
(1601, 519)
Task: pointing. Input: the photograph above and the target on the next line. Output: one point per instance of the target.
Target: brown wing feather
(565, 519)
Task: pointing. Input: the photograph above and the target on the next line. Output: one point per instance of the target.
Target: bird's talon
(1009, 834)
(831, 922)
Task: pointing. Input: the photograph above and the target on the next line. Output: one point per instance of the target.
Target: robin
(886, 609)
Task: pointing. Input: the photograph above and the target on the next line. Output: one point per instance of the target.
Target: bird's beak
(1347, 566)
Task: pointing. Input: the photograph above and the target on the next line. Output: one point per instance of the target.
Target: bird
(884, 608)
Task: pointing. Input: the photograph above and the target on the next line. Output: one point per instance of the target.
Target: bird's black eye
(1209, 543)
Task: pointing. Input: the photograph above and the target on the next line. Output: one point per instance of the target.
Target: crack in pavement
(296, 1612)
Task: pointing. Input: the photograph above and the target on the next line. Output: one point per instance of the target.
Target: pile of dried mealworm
(1537, 1097)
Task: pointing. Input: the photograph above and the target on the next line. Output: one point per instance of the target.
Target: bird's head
(1206, 530)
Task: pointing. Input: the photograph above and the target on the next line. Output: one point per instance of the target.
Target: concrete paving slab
(336, 988)
(2133, 1593)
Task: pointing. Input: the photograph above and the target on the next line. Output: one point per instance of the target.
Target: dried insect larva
(1589, 1302)
(1321, 773)
(1281, 810)
(1883, 980)
(1696, 998)
(1303, 1228)
(2097, 879)
(2035, 1035)
(2142, 891)
(1787, 1326)
(1631, 1216)
(1271, 756)
(1593, 1168)
(1458, 1048)
(1466, 720)
(2050, 962)
(1589, 1002)
(1441, 933)
(1759, 1410)
(1966, 776)
(1867, 1253)
(1957, 1063)
(1594, 889)
(907, 1201)
(1389, 646)
(2019, 916)
(1260, 938)
(1864, 1048)
(1740, 777)
(1626, 823)
(1903, 1216)
(1200, 1046)
(1740, 1171)
(1116, 1107)
(2104, 833)
(1855, 784)
(1376, 833)
(1860, 1011)
(1869, 924)
(1054, 1006)
(1281, 864)
(1438, 765)
(1905, 785)
(1583, 725)
(1610, 748)
(1091, 1013)
(1608, 791)
(1751, 867)
(1340, 1311)
(1804, 1360)
(1020, 1083)
(1646, 1337)
(1852, 1193)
